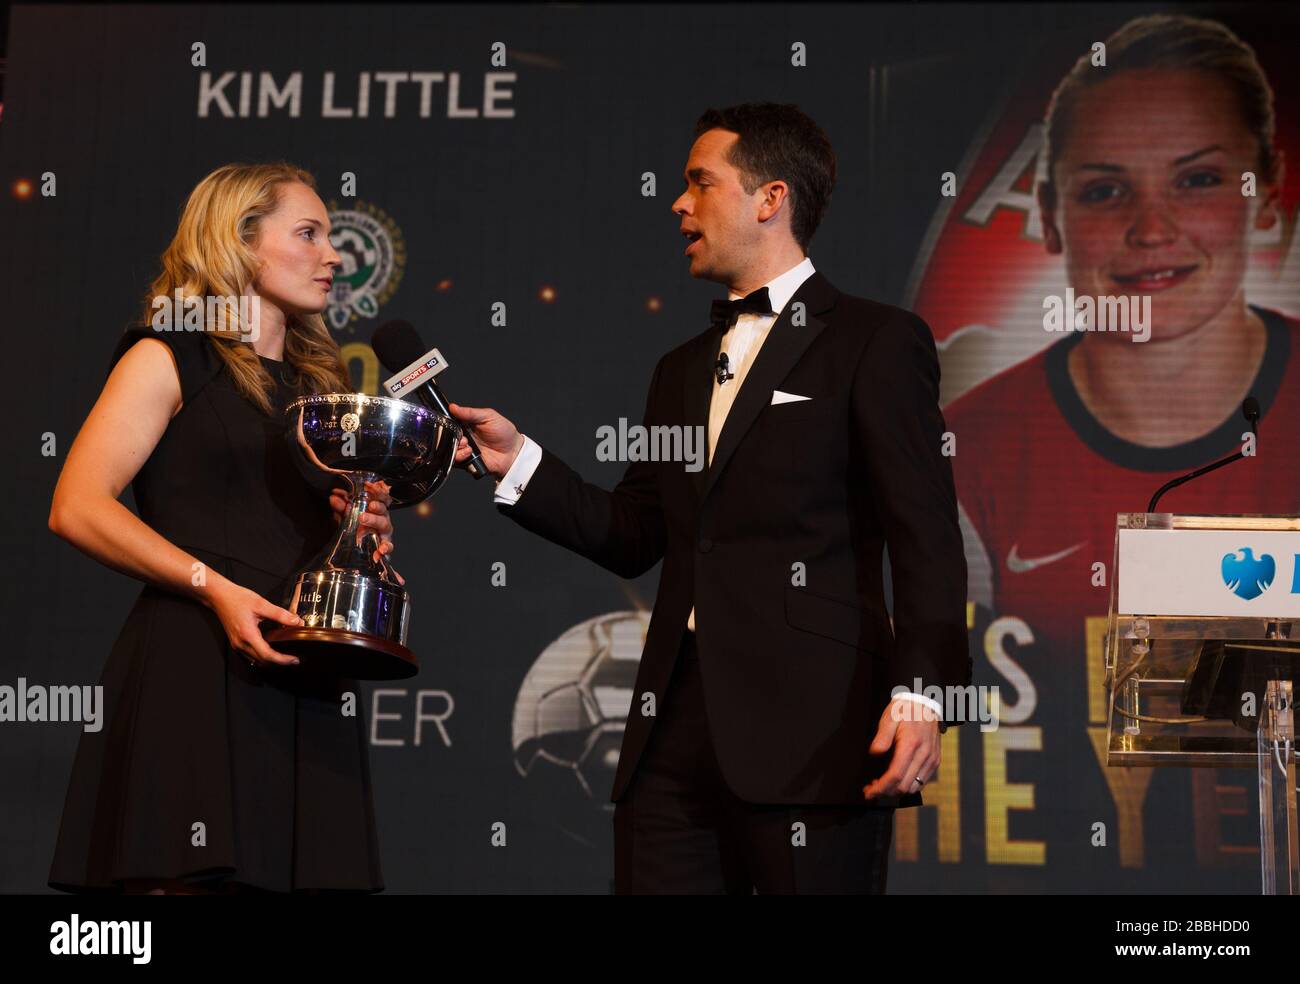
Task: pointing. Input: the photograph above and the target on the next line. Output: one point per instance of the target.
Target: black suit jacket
(795, 677)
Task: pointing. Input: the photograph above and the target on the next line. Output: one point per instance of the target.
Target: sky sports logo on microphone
(417, 373)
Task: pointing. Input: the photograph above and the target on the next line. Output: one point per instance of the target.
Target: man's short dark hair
(780, 142)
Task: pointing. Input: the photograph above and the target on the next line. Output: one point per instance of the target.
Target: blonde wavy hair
(212, 255)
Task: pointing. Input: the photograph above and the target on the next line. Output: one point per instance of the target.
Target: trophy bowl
(355, 612)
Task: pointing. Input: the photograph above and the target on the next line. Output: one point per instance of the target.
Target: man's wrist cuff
(512, 484)
(929, 702)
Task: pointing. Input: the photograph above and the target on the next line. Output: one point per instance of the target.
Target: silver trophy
(354, 611)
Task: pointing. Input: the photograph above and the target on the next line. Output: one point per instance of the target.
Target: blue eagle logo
(1247, 576)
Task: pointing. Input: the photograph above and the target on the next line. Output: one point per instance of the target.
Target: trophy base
(339, 652)
(354, 625)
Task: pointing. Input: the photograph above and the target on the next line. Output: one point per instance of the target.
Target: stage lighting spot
(22, 189)
(547, 295)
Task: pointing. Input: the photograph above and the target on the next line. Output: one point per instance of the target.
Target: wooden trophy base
(338, 652)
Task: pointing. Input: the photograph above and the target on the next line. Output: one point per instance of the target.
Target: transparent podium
(1202, 652)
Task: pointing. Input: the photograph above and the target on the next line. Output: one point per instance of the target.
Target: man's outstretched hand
(912, 730)
(498, 440)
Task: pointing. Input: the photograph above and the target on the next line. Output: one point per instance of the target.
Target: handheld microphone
(399, 348)
(1249, 410)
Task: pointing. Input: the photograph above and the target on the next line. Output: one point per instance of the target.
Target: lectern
(1202, 651)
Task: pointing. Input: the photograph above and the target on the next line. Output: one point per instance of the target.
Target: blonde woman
(221, 765)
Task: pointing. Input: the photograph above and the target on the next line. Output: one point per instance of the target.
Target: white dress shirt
(742, 342)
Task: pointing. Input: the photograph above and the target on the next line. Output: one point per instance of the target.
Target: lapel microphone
(721, 369)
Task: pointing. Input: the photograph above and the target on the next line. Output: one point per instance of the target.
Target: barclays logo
(1248, 576)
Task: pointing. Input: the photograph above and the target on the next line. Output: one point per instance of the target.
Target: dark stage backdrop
(484, 187)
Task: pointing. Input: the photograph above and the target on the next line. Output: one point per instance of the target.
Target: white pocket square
(779, 397)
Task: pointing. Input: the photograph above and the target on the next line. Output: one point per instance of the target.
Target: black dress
(208, 768)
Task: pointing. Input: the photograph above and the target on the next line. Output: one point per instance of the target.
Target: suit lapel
(784, 346)
(700, 360)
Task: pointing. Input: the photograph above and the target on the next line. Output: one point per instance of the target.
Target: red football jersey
(1041, 480)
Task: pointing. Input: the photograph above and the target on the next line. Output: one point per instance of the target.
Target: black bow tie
(723, 314)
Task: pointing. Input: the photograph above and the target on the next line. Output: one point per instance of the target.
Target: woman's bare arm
(141, 396)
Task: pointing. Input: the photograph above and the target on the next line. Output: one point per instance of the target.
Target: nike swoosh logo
(1019, 565)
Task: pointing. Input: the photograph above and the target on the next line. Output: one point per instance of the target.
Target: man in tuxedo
(772, 687)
